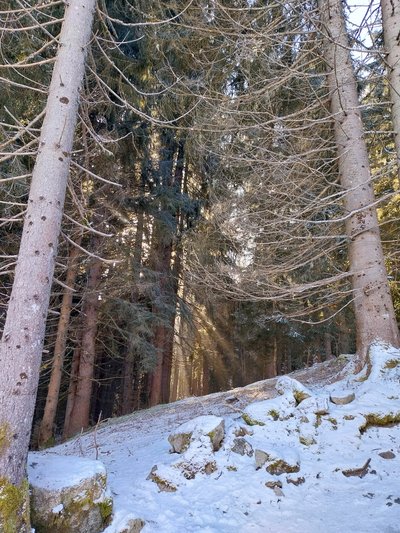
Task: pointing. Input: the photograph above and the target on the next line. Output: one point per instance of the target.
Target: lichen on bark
(14, 507)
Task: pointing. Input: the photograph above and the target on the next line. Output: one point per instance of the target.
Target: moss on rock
(280, 466)
(163, 484)
(379, 420)
(251, 421)
(84, 505)
(180, 442)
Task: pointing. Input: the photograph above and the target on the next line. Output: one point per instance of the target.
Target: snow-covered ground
(343, 479)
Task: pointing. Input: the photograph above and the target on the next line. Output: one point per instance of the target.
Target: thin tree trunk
(270, 370)
(73, 379)
(328, 346)
(79, 418)
(374, 312)
(24, 330)
(127, 400)
(391, 34)
(50, 410)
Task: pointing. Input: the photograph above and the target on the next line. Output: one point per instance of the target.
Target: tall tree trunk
(161, 262)
(127, 400)
(391, 34)
(174, 281)
(73, 380)
(23, 336)
(374, 313)
(271, 361)
(50, 410)
(130, 371)
(79, 418)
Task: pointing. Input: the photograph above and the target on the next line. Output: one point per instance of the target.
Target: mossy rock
(379, 420)
(163, 484)
(180, 441)
(251, 421)
(79, 502)
(210, 426)
(278, 462)
(281, 466)
(285, 385)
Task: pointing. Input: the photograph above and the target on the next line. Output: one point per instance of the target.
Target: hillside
(295, 462)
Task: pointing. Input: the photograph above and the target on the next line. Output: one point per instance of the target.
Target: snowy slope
(347, 480)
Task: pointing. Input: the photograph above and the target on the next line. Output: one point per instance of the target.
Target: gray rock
(342, 397)
(261, 458)
(295, 481)
(242, 447)
(211, 426)
(133, 525)
(273, 484)
(68, 496)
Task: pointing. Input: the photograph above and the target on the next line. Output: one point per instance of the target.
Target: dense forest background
(203, 241)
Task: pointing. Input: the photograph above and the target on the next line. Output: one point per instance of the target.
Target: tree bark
(391, 34)
(374, 312)
(271, 361)
(23, 336)
(168, 286)
(50, 410)
(73, 379)
(79, 418)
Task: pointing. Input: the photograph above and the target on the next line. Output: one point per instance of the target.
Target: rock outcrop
(68, 496)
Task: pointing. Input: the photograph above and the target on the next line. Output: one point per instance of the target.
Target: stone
(211, 426)
(281, 466)
(278, 462)
(198, 459)
(273, 484)
(276, 486)
(242, 447)
(318, 405)
(68, 495)
(295, 481)
(163, 483)
(387, 455)
(242, 431)
(261, 458)
(285, 385)
(342, 397)
(132, 525)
